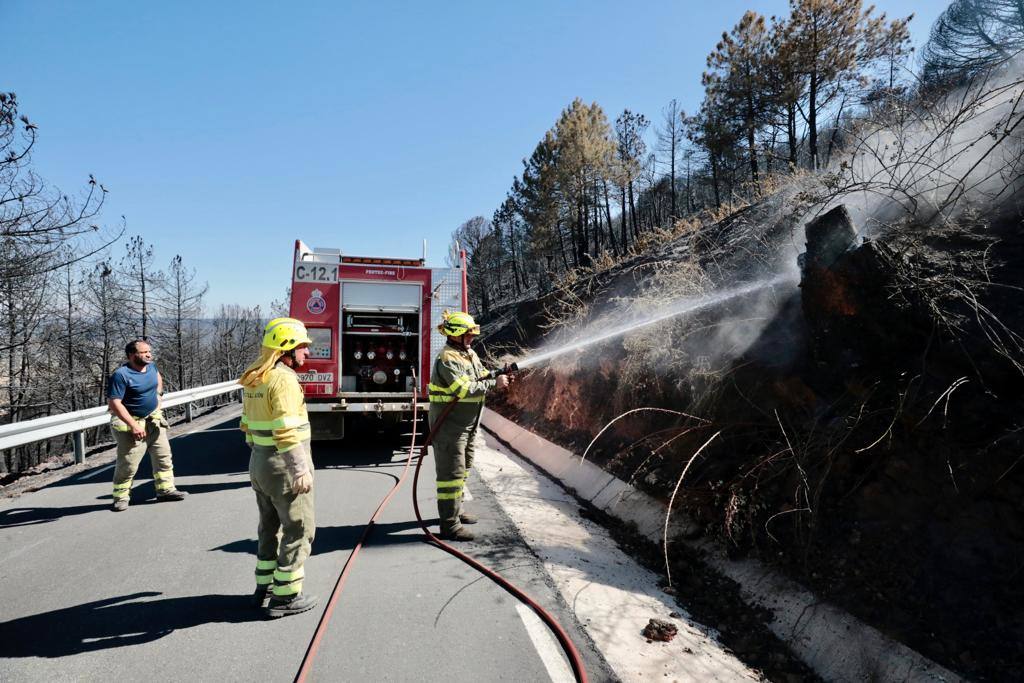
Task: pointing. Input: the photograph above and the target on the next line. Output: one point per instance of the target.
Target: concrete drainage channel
(836, 645)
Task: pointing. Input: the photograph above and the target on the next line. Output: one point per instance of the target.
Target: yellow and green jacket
(458, 373)
(274, 413)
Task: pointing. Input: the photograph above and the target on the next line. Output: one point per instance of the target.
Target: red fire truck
(373, 323)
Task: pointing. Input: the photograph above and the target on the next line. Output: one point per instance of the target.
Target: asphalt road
(160, 592)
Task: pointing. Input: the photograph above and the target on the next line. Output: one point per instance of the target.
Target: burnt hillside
(868, 392)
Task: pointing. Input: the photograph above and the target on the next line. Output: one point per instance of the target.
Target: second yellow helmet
(457, 324)
(285, 334)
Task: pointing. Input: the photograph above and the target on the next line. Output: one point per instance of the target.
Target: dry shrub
(655, 352)
(604, 262)
(567, 309)
(686, 226)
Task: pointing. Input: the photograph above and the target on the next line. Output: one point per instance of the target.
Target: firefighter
(133, 398)
(276, 426)
(458, 375)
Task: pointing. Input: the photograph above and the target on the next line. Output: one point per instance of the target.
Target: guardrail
(21, 433)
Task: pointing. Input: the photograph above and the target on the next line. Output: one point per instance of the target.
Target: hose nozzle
(509, 369)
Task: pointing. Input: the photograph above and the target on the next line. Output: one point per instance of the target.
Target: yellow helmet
(285, 334)
(457, 324)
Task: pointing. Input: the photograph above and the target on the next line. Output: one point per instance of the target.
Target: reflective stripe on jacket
(274, 413)
(458, 373)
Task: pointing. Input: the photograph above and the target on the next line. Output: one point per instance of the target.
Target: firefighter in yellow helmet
(457, 374)
(276, 426)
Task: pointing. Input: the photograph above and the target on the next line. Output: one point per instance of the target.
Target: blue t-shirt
(137, 390)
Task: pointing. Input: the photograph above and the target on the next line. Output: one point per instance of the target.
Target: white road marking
(547, 647)
(99, 471)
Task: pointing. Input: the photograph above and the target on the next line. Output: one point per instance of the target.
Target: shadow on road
(145, 493)
(331, 538)
(117, 622)
(13, 517)
(219, 449)
(359, 450)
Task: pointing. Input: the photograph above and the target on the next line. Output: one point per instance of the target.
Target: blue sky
(226, 130)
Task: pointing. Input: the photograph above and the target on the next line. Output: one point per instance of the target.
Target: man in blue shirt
(133, 397)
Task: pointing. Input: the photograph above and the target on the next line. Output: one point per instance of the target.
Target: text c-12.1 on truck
(373, 325)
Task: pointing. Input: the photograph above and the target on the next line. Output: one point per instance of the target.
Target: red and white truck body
(373, 323)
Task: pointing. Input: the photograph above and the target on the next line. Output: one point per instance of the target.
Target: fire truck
(373, 323)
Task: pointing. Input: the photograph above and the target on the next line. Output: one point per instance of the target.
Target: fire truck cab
(373, 323)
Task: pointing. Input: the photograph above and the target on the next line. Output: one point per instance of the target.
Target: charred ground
(869, 408)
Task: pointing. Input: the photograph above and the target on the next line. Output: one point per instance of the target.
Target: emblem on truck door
(316, 303)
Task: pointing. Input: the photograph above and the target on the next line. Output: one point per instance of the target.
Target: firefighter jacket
(458, 373)
(274, 413)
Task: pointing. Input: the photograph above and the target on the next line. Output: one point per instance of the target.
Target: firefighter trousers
(130, 452)
(454, 447)
(287, 524)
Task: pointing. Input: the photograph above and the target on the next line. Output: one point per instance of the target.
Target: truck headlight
(358, 355)
(401, 354)
(389, 355)
(370, 355)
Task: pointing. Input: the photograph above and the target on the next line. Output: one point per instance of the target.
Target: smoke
(928, 161)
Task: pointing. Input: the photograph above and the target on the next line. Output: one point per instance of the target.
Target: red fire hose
(575, 660)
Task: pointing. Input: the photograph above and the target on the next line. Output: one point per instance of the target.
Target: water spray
(685, 307)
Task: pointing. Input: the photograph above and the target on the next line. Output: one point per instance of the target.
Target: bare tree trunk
(70, 325)
(515, 263)
(751, 142)
(561, 244)
(608, 217)
(623, 232)
(812, 120)
(689, 195)
(632, 212)
(145, 304)
(791, 134)
(714, 180)
(672, 180)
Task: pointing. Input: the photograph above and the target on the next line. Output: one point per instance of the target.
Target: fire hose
(575, 660)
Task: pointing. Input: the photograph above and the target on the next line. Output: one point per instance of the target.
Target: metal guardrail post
(79, 437)
(188, 411)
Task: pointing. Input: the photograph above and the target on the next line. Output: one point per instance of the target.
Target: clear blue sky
(226, 130)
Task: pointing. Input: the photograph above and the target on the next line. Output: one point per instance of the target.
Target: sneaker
(173, 494)
(459, 534)
(283, 607)
(120, 505)
(261, 597)
(468, 518)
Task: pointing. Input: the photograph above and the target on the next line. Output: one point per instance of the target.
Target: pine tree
(584, 154)
(738, 77)
(972, 36)
(832, 43)
(631, 150)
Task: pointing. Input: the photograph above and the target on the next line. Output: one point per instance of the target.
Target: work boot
(468, 518)
(120, 505)
(459, 534)
(296, 604)
(173, 494)
(261, 597)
